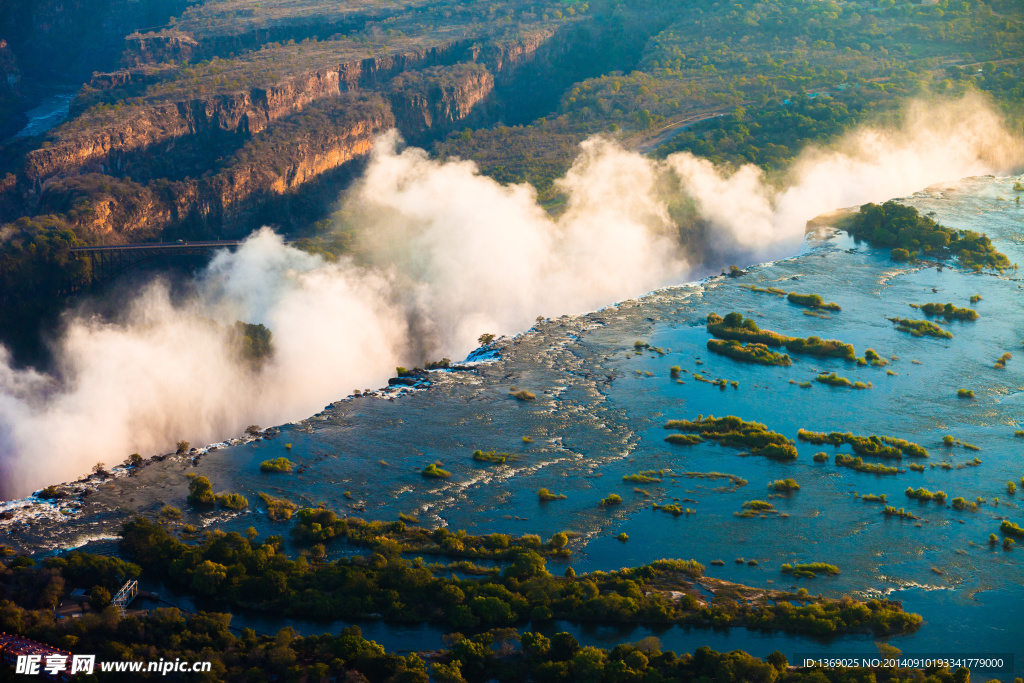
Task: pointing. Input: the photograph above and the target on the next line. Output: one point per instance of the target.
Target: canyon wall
(211, 166)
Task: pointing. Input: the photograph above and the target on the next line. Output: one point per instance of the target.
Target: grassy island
(924, 495)
(1011, 529)
(858, 464)
(949, 312)
(920, 328)
(733, 431)
(765, 290)
(890, 511)
(756, 508)
(611, 501)
(960, 504)
(873, 498)
(907, 233)
(432, 471)
(888, 447)
(281, 464)
(278, 509)
(684, 439)
(523, 395)
(546, 496)
(674, 509)
(833, 380)
(810, 570)
(492, 456)
(647, 477)
(784, 485)
(751, 353)
(812, 301)
(735, 327)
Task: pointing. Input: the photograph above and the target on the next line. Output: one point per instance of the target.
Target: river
(601, 405)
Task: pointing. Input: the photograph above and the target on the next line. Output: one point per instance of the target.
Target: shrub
(648, 477)
(784, 485)
(751, 353)
(920, 328)
(812, 301)
(492, 456)
(1011, 529)
(821, 457)
(182, 448)
(544, 495)
(949, 312)
(281, 464)
(965, 393)
(200, 492)
(683, 439)
(899, 254)
(432, 471)
(278, 509)
(232, 501)
(833, 380)
(524, 395)
(611, 500)
(810, 570)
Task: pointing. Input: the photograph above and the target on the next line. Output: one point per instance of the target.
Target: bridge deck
(155, 246)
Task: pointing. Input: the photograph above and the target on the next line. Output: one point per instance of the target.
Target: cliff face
(210, 154)
(105, 149)
(434, 101)
(117, 210)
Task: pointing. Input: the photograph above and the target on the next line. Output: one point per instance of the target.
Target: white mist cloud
(937, 143)
(444, 255)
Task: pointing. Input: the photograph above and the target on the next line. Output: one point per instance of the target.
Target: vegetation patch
(888, 447)
(961, 504)
(683, 439)
(737, 328)
(735, 432)
(546, 496)
(920, 328)
(812, 301)
(925, 495)
(278, 509)
(432, 471)
(674, 509)
(281, 464)
(858, 464)
(949, 312)
(810, 570)
(756, 508)
(751, 353)
(523, 395)
(965, 393)
(901, 228)
(611, 501)
(784, 485)
(1011, 529)
(890, 511)
(493, 456)
(646, 477)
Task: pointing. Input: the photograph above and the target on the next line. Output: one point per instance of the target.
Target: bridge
(125, 596)
(110, 261)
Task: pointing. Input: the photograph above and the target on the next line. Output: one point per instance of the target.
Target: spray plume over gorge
(443, 254)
